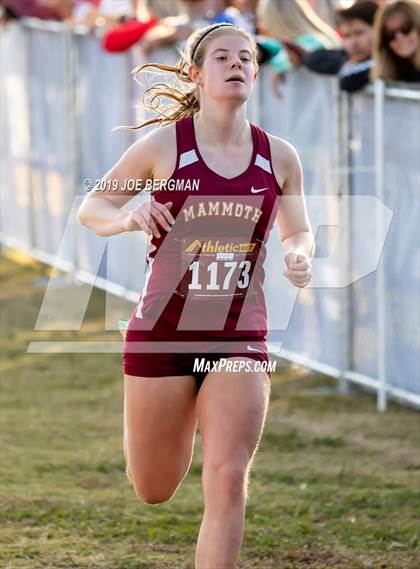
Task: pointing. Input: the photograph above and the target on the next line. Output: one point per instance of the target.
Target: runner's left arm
(294, 225)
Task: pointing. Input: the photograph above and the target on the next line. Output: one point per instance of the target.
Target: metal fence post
(379, 100)
(29, 158)
(72, 178)
(343, 139)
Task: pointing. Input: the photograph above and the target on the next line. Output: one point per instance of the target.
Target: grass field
(334, 485)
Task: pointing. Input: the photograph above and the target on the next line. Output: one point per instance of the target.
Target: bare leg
(158, 434)
(231, 409)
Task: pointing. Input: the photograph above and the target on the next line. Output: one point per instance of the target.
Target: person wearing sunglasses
(396, 49)
(352, 61)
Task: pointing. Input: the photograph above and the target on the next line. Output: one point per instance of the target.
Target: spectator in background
(102, 13)
(357, 29)
(160, 8)
(111, 11)
(292, 23)
(43, 9)
(177, 28)
(327, 9)
(224, 11)
(84, 13)
(130, 30)
(352, 63)
(195, 14)
(248, 10)
(396, 50)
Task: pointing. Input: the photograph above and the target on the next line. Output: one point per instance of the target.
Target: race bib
(213, 268)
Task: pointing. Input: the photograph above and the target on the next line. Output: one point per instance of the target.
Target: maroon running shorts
(141, 361)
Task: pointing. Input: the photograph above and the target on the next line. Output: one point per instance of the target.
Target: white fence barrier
(358, 321)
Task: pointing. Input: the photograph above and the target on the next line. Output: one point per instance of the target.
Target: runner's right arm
(101, 210)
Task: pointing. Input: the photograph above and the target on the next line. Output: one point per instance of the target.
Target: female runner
(203, 292)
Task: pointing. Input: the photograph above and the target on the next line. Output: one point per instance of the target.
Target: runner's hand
(299, 268)
(148, 216)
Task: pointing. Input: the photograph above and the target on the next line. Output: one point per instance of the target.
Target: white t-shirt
(115, 7)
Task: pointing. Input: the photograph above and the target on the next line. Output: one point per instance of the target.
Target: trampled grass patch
(334, 483)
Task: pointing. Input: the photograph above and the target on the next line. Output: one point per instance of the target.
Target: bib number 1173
(216, 279)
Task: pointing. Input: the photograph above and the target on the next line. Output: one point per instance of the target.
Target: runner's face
(227, 57)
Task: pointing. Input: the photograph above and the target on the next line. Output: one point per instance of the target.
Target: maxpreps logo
(217, 247)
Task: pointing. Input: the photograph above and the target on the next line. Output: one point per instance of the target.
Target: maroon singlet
(205, 276)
